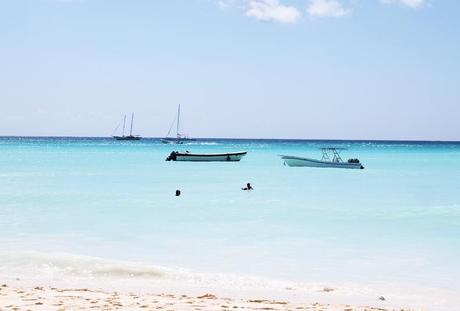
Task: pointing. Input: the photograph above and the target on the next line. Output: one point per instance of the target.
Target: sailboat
(180, 138)
(130, 136)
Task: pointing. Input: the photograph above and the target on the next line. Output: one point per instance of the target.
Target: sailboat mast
(124, 123)
(178, 122)
(131, 130)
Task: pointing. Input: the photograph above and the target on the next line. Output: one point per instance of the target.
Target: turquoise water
(397, 221)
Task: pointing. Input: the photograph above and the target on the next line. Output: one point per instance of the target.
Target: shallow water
(397, 221)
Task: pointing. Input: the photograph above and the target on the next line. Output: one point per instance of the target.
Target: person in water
(177, 193)
(248, 187)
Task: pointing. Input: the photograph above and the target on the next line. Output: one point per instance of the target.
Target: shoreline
(31, 277)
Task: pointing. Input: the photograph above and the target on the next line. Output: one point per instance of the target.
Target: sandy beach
(52, 298)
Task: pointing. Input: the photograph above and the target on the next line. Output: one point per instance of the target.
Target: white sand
(60, 299)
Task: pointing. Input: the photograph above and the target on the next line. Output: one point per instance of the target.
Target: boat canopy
(332, 154)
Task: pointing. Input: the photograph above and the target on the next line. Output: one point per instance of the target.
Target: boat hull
(127, 137)
(210, 157)
(176, 141)
(171, 141)
(307, 162)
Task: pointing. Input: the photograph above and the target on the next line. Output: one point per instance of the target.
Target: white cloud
(225, 3)
(275, 11)
(272, 10)
(327, 8)
(410, 3)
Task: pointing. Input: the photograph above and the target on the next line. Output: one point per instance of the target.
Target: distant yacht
(130, 136)
(180, 138)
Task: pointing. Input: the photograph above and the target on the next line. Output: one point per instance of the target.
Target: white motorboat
(206, 157)
(331, 159)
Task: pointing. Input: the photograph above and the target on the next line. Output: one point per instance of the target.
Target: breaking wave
(72, 265)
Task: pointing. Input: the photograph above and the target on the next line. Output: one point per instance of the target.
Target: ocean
(90, 208)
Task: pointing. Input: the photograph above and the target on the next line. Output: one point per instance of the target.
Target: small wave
(77, 266)
(57, 266)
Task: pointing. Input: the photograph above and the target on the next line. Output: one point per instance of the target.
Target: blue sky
(346, 69)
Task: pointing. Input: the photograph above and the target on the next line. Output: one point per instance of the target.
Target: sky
(300, 69)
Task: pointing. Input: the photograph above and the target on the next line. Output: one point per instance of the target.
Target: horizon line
(247, 138)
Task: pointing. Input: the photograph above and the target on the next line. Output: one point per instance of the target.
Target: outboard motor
(172, 156)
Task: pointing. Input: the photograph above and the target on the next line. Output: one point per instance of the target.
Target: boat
(331, 159)
(180, 138)
(130, 136)
(206, 157)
